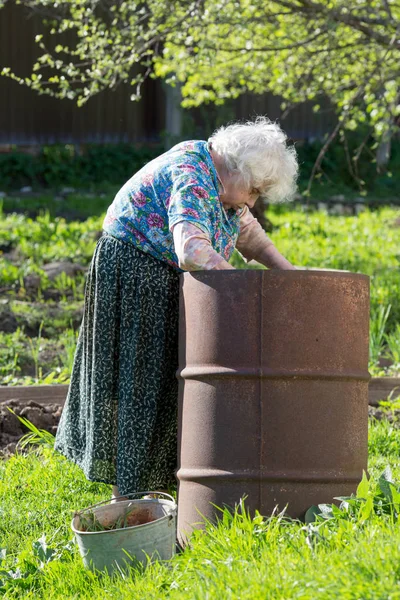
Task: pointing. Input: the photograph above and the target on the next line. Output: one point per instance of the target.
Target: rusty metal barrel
(273, 390)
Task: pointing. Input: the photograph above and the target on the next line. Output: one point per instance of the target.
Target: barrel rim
(280, 272)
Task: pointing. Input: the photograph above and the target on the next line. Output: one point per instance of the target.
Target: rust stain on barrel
(273, 402)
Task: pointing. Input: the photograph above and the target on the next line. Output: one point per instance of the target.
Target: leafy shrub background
(63, 165)
(93, 165)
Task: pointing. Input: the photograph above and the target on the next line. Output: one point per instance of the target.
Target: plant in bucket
(113, 536)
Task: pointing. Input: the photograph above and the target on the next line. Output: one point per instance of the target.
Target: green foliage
(21, 579)
(384, 442)
(342, 173)
(37, 361)
(106, 167)
(17, 169)
(378, 324)
(12, 352)
(53, 317)
(45, 239)
(63, 165)
(28, 360)
(345, 50)
(393, 345)
(297, 50)
(381, 497)
(35, 436)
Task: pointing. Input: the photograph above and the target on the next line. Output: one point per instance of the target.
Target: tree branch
(321, 155)
(352, 21)
(266, 48)
(309, 7)
(358, 152)
(388, 9)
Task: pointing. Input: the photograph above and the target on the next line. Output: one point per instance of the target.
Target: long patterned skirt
(119, 423)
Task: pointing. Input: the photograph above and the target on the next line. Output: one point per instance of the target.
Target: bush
(94, 165)
(62, 165)
(336, 175)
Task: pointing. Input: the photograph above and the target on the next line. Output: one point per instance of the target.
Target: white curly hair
(256, 153)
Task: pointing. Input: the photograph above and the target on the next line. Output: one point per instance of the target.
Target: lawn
(348, 553)
(353, 553)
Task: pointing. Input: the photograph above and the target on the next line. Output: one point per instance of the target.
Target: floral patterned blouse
(179, 185)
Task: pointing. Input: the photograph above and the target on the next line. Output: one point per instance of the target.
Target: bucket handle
(125, 496)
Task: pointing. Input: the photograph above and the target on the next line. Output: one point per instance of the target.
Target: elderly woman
(184, 211)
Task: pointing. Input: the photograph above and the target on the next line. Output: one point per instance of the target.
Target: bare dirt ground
(12, 430)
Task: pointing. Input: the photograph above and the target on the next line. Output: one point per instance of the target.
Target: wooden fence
(27, 118)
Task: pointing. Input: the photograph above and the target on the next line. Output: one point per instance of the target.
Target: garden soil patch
(43, 416)
(393, 416)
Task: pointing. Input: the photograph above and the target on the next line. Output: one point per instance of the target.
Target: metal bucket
(273, 400)
(117, 549)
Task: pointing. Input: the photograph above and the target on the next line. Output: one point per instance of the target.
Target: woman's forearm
(254, 244)
(194, 250)
(200, 256)
(270, 257)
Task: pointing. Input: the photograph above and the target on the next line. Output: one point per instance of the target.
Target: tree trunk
(384, 147)
(173, 115)
(258, 211)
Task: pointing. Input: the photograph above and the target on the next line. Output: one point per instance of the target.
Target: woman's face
(236, 195)
(232, 193)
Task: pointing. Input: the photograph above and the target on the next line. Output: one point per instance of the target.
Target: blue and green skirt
(119, 423)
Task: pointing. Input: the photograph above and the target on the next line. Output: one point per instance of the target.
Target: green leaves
(27, 569)
(372, 499)
(43, 552)
(218, 50)
(36, 436)
(387, 486)
(378, 322)
(363, 487)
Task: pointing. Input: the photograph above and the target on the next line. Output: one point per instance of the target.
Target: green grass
(348, 556)
(28, 360)
(79, 206)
